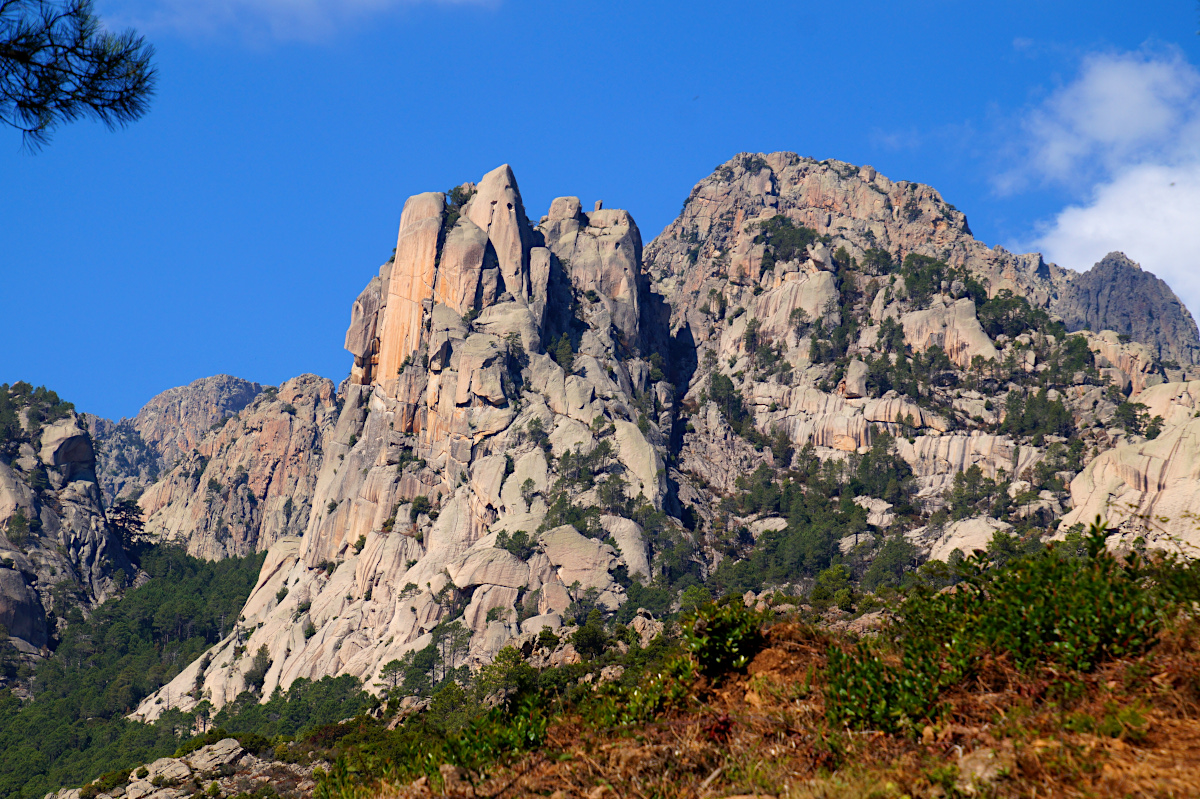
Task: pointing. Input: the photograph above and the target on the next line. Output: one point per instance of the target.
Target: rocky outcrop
(223, 768)
(951, 326)
(714, 237)
(134, 452)
(966, 536)
(1117, 294)
(456, 426)
(250, 482)
(1149, 488)
(1129, 365)
(713, 242)
(53, 531)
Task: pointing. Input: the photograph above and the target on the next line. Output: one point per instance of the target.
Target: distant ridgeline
(814, 381)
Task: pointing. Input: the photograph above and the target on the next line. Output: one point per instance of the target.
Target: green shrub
(520, 543)
(784, 240)
(1066, 611)
(420, 504)
(722, 636)
(591, 639)
(105, 783)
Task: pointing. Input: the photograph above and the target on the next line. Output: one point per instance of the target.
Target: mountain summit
(812, 368)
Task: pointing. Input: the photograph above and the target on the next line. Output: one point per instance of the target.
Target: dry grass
(1129, 730)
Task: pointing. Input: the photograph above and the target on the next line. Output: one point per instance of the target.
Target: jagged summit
(1117, 294)
(861, 210)
(536, 416)
(499, 389)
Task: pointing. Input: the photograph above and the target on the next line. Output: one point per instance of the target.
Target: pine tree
(58, 64)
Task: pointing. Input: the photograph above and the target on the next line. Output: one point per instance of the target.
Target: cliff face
(1149, 488)
(55, 543)
(541, 383)
(1116, 294)
(454, 429)
(135, 452)
(250, 482)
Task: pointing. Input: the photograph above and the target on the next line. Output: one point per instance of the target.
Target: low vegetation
(1065, 672)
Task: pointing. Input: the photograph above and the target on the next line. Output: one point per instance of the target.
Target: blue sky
(230, 229)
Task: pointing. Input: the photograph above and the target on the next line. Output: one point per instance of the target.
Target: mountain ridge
(493, 356)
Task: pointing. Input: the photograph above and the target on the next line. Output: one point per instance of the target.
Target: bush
(520, 543)
(784, 240)
(590, 639)
(420, 504)
(1011, 315)
(1048, 608)
(257, 674)
(722, 636)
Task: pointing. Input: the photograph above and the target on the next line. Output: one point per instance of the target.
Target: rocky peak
(1117, 294)
(498, 388)
(496, 209)
(134, 452)
(250, 481)
(718, 235)
(718, 238)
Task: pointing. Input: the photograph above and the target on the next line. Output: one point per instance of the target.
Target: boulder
(772, 523)
(487, 598)
(642, 460)
(631, 543)
(877, 511)
(465, 255)
(953, 327)
(489, 567)
(578, 558)
(65, 442)
(208, 759)
(854, 384)
(530, 466)
(534, 624)
(364, 315)
(21, 611)
(966, 536)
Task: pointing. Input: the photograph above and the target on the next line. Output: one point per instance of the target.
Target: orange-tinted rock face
(411, 282)
(466, 254)
(249, 483)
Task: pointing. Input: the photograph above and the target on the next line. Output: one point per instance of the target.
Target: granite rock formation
(249, 482)
(133, 453)
(458, 427)
(54, 538)
(533, 410)
(1116, 294)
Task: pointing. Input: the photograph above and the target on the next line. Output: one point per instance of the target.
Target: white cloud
(1124, 137)
(1123, 109)
(255, 19)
